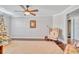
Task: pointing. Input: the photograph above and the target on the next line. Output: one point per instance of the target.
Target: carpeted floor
(33, 47)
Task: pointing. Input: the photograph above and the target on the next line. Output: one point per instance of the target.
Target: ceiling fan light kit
(28, 10)
(26, 13)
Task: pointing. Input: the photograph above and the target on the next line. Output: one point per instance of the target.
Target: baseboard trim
(29, 39)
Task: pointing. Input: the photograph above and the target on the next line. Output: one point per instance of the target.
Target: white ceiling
(44, 10)
(75, 13)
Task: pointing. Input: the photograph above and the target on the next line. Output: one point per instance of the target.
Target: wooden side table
(1, 49)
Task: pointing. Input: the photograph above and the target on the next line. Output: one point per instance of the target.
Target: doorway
(70, 27)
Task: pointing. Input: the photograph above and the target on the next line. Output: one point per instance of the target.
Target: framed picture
(32, 23)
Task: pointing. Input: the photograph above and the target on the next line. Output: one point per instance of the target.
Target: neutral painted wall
(76, 27)
(20, 27)
(60, 20)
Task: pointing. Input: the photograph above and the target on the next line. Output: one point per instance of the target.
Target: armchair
(54, 34)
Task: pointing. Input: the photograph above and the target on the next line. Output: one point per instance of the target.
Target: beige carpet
(26, 47)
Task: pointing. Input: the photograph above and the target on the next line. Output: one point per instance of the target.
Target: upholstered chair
(54, 34)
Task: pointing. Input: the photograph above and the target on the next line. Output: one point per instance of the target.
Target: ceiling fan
(28, 10)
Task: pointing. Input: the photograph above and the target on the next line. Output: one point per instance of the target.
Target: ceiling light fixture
(26, 13)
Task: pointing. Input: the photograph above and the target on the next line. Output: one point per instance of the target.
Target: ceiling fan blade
(18, 11)
(33, 14)
(36, 10)
(22, 7)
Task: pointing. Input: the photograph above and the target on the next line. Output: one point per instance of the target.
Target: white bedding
(25, 47)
